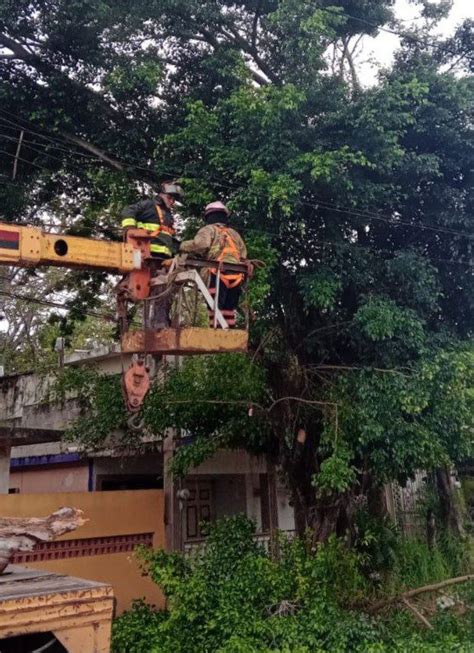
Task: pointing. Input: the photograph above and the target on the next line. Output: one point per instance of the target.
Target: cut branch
(256, 18)
(417, 613)
(435, 587)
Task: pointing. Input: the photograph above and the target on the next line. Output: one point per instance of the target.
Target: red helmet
(216, 207)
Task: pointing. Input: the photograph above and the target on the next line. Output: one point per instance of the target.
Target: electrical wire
(48, 145)
(334, 207)
(337, 208)
(41, 135)
(388, 30)
(51, 304)
(31, 163)
(392, 221)
(24, 144)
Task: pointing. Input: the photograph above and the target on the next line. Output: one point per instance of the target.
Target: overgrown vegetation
(358, 198)
(235, 598)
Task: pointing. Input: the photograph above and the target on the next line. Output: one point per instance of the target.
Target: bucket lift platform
(179, 338)
(185, 341)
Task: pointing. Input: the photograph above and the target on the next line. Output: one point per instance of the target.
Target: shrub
(138, 629)
(234, 598)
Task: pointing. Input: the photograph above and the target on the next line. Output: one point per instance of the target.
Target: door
(199, 509)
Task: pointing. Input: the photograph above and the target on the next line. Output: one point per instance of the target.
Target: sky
(382, 48)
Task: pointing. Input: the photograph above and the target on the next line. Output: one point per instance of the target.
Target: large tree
(359, 199)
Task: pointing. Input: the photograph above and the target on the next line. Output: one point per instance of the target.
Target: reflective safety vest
(226, 250)
(162, 234)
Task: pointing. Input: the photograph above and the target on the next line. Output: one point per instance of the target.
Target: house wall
(253, 499)
(68, 478)
(149, 464)
(230, 495)
(286, 514)
(237, 486)
(231, 462)
(102, 549)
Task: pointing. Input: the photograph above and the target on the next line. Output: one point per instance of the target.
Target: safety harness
(229, 253)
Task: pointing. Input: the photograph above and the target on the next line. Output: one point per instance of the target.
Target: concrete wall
(149, 464)
(229, 495)
(286, 514)
(68, 478)
(236, 477)
(110, 515)
(231, 462)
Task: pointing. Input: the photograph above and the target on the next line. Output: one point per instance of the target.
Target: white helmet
(172, 188)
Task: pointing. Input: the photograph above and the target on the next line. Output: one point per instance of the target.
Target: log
(23, 533)
(435, 587)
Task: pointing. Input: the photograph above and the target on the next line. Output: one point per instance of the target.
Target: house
(131, 499)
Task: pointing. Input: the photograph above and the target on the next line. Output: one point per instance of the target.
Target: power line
(339, 209)
(388, 30)
(51, 304)
(31, 163)
(30, 147)
(43, 136)
(356, 245)
(48, 145)
(345, 210)
(392, 221)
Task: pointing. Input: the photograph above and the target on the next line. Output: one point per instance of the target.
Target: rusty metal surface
(136, 383)
(188, 340)
(19, 582)
(35, 601)
(225, 267)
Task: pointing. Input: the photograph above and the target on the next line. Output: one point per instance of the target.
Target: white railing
(191, 547)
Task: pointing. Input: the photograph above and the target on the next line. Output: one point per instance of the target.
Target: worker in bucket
(217, 241)
(155, 215)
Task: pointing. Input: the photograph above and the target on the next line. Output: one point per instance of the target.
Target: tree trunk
(450, 510)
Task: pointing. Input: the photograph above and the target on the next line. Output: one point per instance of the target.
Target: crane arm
(29, 246)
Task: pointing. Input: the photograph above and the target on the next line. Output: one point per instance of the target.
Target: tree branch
(93, 149)
(253, 53)
(417, 613)
(256, 18)
(435, 587)
(45, 68)
(302, 401)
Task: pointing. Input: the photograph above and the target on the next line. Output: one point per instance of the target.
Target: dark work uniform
(153, 215)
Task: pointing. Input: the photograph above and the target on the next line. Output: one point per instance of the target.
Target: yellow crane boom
(29, 246)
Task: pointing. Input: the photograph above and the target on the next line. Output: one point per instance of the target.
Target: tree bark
(451, 514)
(23, 533)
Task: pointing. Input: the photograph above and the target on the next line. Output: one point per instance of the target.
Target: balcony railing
(191, 547)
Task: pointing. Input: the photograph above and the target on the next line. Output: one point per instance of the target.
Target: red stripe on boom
(10, 236)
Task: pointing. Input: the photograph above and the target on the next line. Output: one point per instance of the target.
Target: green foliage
(209, 398)
(101, 404)
(134, 631)
(193, 454)
(358, 199)
(336, 473)
(381, 319)
(405, 420)
(415, 564)
(233, 597)
(320, 290)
